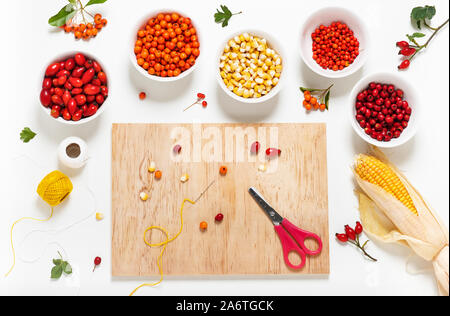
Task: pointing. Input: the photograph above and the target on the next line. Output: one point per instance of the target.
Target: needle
(206, 190)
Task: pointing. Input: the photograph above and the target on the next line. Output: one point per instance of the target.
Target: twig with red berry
(352, 236)
(421, 16)
(200, 100)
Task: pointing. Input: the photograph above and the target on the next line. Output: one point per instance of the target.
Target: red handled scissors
(292, 238)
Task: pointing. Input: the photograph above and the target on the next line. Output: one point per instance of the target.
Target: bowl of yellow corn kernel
(251, 67)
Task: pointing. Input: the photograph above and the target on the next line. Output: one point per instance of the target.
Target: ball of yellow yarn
(55, 188)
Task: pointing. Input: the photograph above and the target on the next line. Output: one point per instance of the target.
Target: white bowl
(133, 39)
(409, 95)
(273, 44)
(327, 16)
(100, 110)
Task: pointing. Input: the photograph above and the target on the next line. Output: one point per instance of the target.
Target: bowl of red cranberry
(384, 110)
(74, 89)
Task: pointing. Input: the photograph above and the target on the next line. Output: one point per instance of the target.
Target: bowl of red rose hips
(384, 110)
(165, 46)
(75, 88)
(334, 42)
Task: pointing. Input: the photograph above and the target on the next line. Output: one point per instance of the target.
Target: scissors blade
(276, 218)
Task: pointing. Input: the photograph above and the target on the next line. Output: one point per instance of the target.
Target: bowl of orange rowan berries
(166, 46)
(334, 42)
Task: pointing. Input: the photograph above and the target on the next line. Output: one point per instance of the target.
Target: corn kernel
(99, 216)
(185, 178)
(143, 196)
(262, 168)
(152, 167)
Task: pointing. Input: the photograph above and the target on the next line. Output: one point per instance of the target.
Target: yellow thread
(164, 243)
(12, 244)
(53, 189)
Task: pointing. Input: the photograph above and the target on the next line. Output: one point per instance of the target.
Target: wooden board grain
(245, 243)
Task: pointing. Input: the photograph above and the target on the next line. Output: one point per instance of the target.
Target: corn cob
(374, 171)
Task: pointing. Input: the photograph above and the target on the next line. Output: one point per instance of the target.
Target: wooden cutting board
(245, 243)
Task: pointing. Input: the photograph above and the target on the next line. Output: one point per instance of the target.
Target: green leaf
(91, 2)
(27, 134)
(421, 14)
(430, 12)
(327, 99)
(413, 37)
(227, 11)
(57, 262)
(66, 13)
(224, 16)
(418, 35)
(365, 244)
(57, 272)
(67, 268)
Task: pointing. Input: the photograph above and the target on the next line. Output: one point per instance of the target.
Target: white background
(28, 44)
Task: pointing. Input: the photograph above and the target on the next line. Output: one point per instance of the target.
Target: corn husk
(388, 220)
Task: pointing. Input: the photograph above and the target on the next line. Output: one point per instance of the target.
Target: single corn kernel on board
(245, 242)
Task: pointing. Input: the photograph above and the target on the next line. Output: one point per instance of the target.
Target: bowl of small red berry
(384, 110)
(75, 88)
(334, 42)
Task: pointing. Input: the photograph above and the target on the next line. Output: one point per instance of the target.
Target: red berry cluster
(382, 111)
(335, 47)
(350, 233)
(407, 51)
(200, 100)
(74, 88)
(352, 236)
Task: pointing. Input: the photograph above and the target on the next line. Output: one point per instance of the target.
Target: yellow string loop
(53, 189)
(164, 244)
(11, 234)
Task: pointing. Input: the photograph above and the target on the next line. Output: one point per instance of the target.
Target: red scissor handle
(289, 245)
(293, 240)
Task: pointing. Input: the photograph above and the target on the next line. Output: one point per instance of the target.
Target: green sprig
(224, 16)
(27, 134)
(60, 267)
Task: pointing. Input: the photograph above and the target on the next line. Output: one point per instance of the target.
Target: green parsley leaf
(224, 16)
(67, 267)
(27, 134)
(57, 272)
(60, 267)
